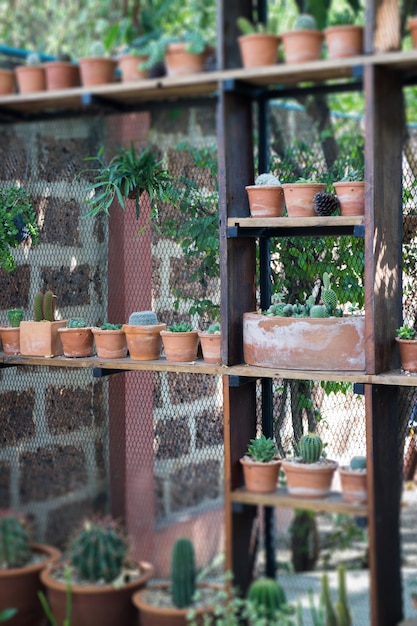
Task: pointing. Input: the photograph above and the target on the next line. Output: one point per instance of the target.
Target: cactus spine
(267, 596)
(97, 552)
(311, 447)
(14, 542)
(143, 318)
(183, 572)
(44, 306)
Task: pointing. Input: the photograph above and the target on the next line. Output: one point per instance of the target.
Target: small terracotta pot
(30, 78)
(309, 480)
(144, 342)
(299, 198)
(257, 49)
(354, 485)
(266, 200)
(62, 75)
(77, 342)
(7, 81)
(97, 70)
(260, 477)
(179, 62)
(180, 347)
(129, 66)
(351, 196)
(408, 354)
(10, 338)
(211, 345)
(110, 344)
(412, 27)
(345, 40)
(302, 45)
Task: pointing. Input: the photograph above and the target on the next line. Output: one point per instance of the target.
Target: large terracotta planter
(260, 477)
(331, 343)
(302, 45)
(180, 347)
(211, 346)
(10, 339)
(7, 81)
(30, 78)
(97, 70)
(345, 40)
(179, 62)
(153, 615)
(19, 587)
(41, 338)
(408, 354)
(257, 49)
(129, 66)
(351, 196)
(353, 484)
(299, 198)
(309, 480)
(110, 344)
(265, 200)
(61, 75)
(93, 605)
(77, 342)
(144, 342)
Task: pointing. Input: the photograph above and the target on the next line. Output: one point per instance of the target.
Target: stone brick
(63, 159)
(14, 289)
(172, 438)
(100, 459)
(62, 522)
(99, 409)
(5, 474)
(16, 417)
(51, 472)
(71, 286)
(68, 409)
(13, 158)
(184, 388)
(209, 428)
(60, 224)
(194, 484)
(159, 497)
(162, 120)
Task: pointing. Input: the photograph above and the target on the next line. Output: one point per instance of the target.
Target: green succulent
(180, 327)
(267, 179)
(109, 326)
(76, 322)
(406, 332)
(262, 449)
(15, 316)
(214, 329)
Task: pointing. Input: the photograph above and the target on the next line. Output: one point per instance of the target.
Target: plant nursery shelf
(332, 504)
(288, 226)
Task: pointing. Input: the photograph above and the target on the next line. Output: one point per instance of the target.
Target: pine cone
(325, 203)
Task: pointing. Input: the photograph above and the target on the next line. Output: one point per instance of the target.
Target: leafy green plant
(15, 316)
(110, 326)
(262, 449)
(180, 327)
(76, 322)
(247, 27)
(17, 223)
(406, 332)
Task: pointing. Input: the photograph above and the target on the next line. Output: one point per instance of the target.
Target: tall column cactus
(14, 542)
(183, 572)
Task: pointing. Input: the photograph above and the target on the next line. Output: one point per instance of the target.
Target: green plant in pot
(18, 224)
(110, 341)
(407, 346)
(40, 336)
(143, 336)
(10, 335)
(258, 42)
(180, 341)
(304, 42)
(261, 465)
(77, 338)
(266, 196)
(102, 575)
(210, 341)
(353, 480)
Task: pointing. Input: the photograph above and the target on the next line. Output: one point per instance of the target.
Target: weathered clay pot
(309, 480)
(266, 200)
(10, 338)
(351, 196)
(353, 484)
(97, 70)
(144, 342)
(30, 78)
(257, 49)
(260, 477)
(41, 338)
(179, 62)
(302, 45)
(61, 75)
(332, 343)
(129, 66)
(211, 345)
(299, 198)
(408, 354)
(110, 344)
(7, 81)
(77, 342)
(345, 40)
(180, 347)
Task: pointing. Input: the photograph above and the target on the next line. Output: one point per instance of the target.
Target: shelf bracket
(359, 230)
(238, 381)
(101, 372)
(359, 388)
(242, 88)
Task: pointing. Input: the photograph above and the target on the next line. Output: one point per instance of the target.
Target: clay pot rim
(264, 186)
(321, 465)
(65, 328)
(399, 340)
(342, 27)
(345, 469)
(180, 334)
(303, 31)
(204, 333)
(295, 184)
(52, 555)
(138, 600)
(97, 330)
(143, 328)
(259, 36)
(246, 459)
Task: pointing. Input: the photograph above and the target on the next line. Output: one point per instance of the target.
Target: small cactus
(143, 318)
(77, 322)
(305, 21)
(268, 597)
(15, 316)
(14, 542)
(214, 329)
(33, 59)
(318, 310)
(267, 179)
(358, 463)
(44, 306)
(328, 295)
(97, 49)
(183, 572)
(98, 551)
(311, 447)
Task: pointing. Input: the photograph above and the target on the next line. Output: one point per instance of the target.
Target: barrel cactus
(14, 541)
(267, 179)
(143, 318)
(305, 21)
(183, 572)
(268, 597)
(358, 463)
(98, 550)
(311, 447)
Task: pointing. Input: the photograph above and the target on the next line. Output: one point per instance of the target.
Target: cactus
(183, 572)
(180, 327)
(76, 322)
(214, 329)
(33, 59)
(15, 316)
(143, 318)
(311, 447)
(44, 306)
(268, 597)
(305, 21)
(331, 617)
(317, 311)
(328, 295)
(262, 449)
(97, 49)
(98, 550)
(358, 463)
(344, 617)
(14, 542)
(267, 179)
(326, 614)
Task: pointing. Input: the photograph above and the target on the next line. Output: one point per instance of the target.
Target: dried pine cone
(325, 203)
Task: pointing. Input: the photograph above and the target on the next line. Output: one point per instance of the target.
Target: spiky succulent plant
(14, 541)
(143, 318)
(267, 179)
(305, 21)
(310, 447)
(262, 449)
(268, 597)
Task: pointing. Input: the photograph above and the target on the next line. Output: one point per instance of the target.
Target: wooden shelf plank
(294, 222)
(332, 504)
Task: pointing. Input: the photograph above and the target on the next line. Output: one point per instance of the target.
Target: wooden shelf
(288, 226)
(332, 504)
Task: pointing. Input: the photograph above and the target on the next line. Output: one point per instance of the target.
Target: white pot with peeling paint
(329, 344)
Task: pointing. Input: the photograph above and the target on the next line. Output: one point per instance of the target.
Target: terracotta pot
(153, 615)
(41, 338)
(179, 62)
(110, 344)
(107, 605)
(330, 343)
(302, 45)
(408, 354)
(299, 198)
(211, 346)
(309, 480)
(351, 196)
(265, 200)
(10, 338)
(62, 75)
(180, 347)
(354, 485)
(260, 477)
(97, 70)
(129, 66)
(258, 49)
(30, 78)
(412, 27)
(77, 342)
(144, 342)
(345, 40)
(7, 81)
(19, 587)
